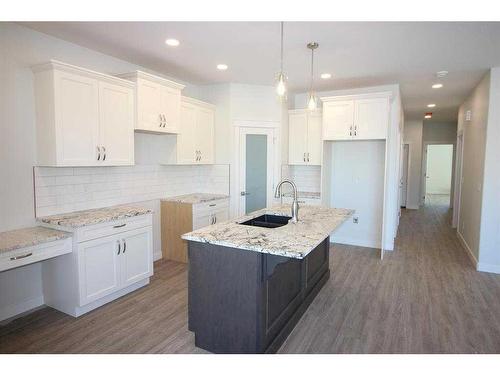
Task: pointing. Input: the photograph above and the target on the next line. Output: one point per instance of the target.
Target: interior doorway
(404, 173)
(256, 168)
(438, 172)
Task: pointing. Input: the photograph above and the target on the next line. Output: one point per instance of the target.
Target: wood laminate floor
(425, 297)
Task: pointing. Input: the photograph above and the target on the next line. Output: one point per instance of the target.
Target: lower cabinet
(108, 261)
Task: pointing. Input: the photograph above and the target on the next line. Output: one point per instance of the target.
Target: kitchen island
(251, 280)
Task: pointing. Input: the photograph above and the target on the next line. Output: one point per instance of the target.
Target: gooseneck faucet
(295, 203)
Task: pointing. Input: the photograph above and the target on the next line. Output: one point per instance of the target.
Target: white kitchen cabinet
(305, 137)
(356, 117)
(158, 103)
(195, 141)
(83, 118)
(108, 261)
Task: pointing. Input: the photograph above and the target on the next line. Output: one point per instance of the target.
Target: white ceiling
(357, 54)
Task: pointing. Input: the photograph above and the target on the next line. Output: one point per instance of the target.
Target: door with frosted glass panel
(256, 169)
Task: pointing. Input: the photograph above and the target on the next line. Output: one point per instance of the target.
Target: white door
(404, 174)
(438, 169)
(256, 168)
(297, 138)
(136, 259)
(149, 106)
(371, 118)
(116, 124)
(205, 135)
(338, 120)
(186, 139)
(77, 119)
(99, 273)
(171, 103)
(314, 140)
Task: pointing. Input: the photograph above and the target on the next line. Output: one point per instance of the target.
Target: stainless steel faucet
(295, 203)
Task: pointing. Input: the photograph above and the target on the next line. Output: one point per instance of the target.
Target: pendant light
(281, 80)
(312, 101)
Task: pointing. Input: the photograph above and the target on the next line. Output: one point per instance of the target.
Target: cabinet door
(77, 119)
(149, 106)
(98, 268)
(186, 139)
(136, 259)
(338, 119)
(371, 118)
(221, 215)
(202, 221)
(171, 109)
(205, 135)
(314, 138)
(297, 138)
(116, 124)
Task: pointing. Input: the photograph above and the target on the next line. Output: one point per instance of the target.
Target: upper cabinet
(83, 118)
(304, 137)
(356, 117)
(158, 103)
(195, 140)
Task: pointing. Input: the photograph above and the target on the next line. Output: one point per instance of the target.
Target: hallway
(425, 297)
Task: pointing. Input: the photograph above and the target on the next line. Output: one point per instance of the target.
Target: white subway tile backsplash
(60, 190)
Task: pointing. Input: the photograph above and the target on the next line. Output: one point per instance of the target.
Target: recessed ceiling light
(437, 85)
(222, 66)
(172, 42)
(427, 116)
(326, 75)
(431, 105)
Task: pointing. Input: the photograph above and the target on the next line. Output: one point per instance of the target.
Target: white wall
(20, 49)
(439, 167)
(474, 141)
(489, 245)
(412, 134)
(357, 182)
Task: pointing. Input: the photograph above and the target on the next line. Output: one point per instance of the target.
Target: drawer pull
(212, 205)
(21, 256)
(120, 226)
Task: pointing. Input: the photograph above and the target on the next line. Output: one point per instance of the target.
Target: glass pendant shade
(281, 85)
(312, 104)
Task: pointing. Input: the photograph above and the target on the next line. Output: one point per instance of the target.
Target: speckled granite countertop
(90, 217)
(291, 240)
(305, 194)
(195, 198)
(19, 238)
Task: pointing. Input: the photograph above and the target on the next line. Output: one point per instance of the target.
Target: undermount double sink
(267, 221)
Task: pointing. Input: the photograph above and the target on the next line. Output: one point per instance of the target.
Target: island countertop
(294, 240)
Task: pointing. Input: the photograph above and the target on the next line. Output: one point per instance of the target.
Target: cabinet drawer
(210, 207)
(113, 227)
(32, 254)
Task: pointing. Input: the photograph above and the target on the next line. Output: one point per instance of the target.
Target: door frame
(455, 221)
(424, 170)
(403, 144)
(271, 129)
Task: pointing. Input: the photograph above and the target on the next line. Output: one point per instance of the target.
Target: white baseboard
(465, 245)
(356, 242)
(491, 268)
(19, 308)
(157, 255)
(410, 207)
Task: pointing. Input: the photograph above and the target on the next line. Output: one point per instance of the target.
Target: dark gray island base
(244, 301)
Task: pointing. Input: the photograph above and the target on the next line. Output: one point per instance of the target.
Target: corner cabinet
(83, 118)
(157, 103)
(195, 140)
(356, 117)
(304, 137)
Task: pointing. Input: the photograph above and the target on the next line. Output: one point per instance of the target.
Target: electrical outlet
(355, 219)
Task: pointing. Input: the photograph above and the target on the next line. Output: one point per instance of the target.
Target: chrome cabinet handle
(215, 219)
(308, 157)
(119, 226)
(124, 246)
(119, 246)
(355, 130)
(164, 121)
(161, 121)
(350, 131)
(304, 157)
(21, 256)
(98, 153)
(104, 151)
